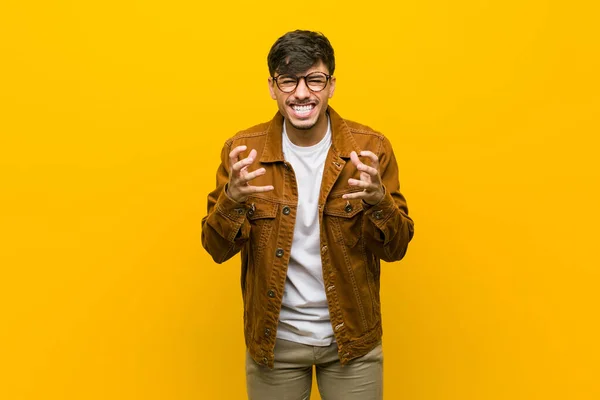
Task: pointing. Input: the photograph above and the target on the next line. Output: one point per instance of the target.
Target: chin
(304, 125)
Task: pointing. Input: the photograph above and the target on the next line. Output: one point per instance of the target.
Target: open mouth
(303, 110)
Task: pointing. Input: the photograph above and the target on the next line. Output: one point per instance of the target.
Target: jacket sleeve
(225, 228)
(389, 229)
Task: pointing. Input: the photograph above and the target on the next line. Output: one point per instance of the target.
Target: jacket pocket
(261, 216)
(346, 217)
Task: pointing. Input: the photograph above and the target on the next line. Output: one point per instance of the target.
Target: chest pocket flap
(260, 209)
(343, 208)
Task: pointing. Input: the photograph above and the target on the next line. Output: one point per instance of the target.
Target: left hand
(370, 181)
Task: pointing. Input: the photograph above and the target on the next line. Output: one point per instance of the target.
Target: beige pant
(291, 378)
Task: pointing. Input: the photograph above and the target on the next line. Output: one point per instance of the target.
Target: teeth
(303, 109)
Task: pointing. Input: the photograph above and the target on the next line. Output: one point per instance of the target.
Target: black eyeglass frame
(327, 79)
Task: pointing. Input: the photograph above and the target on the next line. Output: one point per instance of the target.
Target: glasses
(315, 81)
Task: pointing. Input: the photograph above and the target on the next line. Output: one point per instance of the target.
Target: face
(303, 108)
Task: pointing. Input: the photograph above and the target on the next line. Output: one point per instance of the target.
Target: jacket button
(267, 332)
(279, 252)
(271, 293)
(377, 214)
(264, 360)
(251, 212)
(286, 210)
(240, 211)
(348, 208)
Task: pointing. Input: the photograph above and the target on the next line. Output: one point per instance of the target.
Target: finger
(360, 184)
(238, 166)
(369, 170)
(373, 171)
(233, 156)
(251, 175)
(371, 155)
(258, 189)
(252, 154)
(354, 158)
(355, 195)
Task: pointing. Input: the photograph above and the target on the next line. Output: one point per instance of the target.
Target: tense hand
(369, 181)
(238, 188)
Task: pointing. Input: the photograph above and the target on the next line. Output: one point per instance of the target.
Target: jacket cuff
(233, 211)
(381, 212)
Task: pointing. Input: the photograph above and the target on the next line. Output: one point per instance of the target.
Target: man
(312, 202)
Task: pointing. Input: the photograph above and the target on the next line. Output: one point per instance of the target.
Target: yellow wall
(112, 117)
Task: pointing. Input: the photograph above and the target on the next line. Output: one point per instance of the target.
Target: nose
(302, 91)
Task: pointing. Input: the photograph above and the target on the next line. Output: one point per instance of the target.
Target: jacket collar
(342, 140)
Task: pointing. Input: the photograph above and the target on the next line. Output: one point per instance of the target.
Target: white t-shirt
(304, 316)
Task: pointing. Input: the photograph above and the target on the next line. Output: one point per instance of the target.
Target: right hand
(238, 188)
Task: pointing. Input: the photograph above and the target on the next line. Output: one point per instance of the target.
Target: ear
(331, 86)
(272, 88)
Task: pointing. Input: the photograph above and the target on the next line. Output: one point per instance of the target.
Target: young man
(312, 201)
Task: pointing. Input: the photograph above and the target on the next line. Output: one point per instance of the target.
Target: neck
(307, 137)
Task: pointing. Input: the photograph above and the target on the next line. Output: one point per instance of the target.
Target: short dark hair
(297, 51)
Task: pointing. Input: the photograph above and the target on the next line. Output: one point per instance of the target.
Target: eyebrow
(308, 73)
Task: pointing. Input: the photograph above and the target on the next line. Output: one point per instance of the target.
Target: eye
(318, 79)
(286, 80)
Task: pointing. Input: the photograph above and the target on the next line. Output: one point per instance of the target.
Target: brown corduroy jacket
(354, 236)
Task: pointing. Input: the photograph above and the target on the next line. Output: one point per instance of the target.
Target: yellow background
(112, 117)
